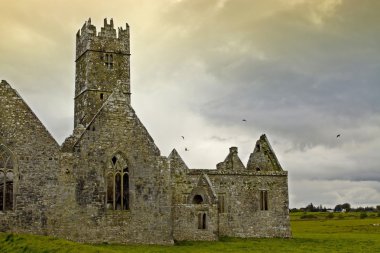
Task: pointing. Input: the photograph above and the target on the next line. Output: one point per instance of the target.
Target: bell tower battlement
(88, 39)
(102, 64)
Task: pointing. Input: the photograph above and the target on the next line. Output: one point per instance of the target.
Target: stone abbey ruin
(108, 181)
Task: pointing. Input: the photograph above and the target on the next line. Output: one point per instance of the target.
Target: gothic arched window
(7, 168)
(117, 184)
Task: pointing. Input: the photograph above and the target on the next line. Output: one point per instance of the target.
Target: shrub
(330, 216)
(308, 216)
(9, 238)
(363, 215)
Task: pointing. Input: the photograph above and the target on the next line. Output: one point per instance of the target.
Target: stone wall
(241, 215)
(233, 196)
(195, 222)
(36, 155)
(115, 130)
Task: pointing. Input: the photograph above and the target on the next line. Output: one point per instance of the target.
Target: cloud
(301, 71)
(331, 193)
(288, 76)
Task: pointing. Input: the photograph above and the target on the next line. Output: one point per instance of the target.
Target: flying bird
(183, 137)
(244, 120)
(186, 149)
(338, 136)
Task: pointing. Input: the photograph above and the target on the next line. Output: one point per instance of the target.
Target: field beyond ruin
(312, 232)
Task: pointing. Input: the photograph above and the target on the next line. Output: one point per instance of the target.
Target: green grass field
(312, 232)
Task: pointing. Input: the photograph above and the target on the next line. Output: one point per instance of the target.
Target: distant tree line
(346, 207)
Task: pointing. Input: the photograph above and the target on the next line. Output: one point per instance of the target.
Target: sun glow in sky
(301, 71)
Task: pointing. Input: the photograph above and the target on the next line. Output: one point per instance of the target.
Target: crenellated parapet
(87, 38)
(107, 30)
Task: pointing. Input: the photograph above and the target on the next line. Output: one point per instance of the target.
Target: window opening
(258, 147)
(110, 187)
(6, 179)
(221, 203)
(118, 192)
(202, 220)
(125, 200)
(101, 96)
(117, 180)
(263, 200)
(197, 199)
(109, 61)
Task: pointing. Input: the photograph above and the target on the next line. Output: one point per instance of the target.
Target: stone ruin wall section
(36, 156)
(116, 129)
(242, 216)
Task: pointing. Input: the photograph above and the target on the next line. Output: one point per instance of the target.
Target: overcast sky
(301, 71)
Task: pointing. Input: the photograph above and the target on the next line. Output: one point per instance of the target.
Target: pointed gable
(203, 191)
(232, 161)
(177, 165)
(263, 157)
(18, 121)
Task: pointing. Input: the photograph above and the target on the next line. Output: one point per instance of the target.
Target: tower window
(108, 61)
(101, 96)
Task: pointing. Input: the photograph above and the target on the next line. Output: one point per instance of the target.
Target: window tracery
(117, 184)
(7, 166)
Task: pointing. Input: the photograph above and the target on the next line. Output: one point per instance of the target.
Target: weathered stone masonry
(108, 181)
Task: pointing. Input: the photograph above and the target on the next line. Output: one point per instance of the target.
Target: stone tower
(101, 66)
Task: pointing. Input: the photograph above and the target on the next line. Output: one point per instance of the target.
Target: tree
(338, 208)
(346, 206)
(310, 208)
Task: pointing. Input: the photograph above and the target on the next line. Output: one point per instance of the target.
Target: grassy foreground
(315, 233)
